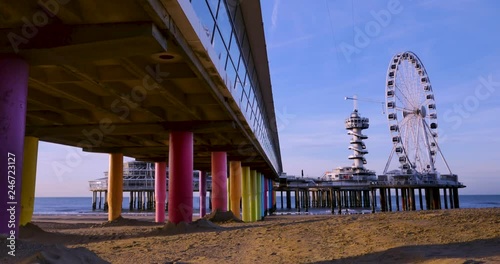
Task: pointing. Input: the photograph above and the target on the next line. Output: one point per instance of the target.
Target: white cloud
(274, 16)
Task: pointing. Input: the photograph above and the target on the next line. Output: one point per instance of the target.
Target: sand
(444, 236)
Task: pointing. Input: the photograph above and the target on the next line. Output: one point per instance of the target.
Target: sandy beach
(445, 236)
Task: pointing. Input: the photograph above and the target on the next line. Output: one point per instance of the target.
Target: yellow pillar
(235, 187)
(115, 186)
(246, 194)
(28, 179)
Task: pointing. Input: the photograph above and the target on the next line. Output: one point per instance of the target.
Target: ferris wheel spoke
(404, 96)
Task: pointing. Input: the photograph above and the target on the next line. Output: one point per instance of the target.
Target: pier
(139, 182)
(375, 196)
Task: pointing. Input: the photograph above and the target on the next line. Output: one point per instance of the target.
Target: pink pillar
(219, 181)
(14, 73)
(180, 185)
(160, 190)
(203, 193)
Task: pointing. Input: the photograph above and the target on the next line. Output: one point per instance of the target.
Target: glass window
(250, 71)
(239, 28)
(234, 50)
(219, 46)
(231, 73)
(237, 93)
(205, 16)
(213, 4)
(242, 69)
(245, 49)
(250, 97)
(224, 24)
(243, 99)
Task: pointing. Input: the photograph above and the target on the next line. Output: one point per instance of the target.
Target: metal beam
(116, 129)
(97, 42)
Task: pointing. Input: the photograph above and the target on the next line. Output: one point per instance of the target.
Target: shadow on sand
(468, 253)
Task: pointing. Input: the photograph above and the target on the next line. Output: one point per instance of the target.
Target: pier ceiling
(119, 76)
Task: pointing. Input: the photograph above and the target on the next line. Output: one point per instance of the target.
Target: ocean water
(83, 205)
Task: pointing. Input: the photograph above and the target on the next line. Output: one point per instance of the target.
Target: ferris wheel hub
(422, 112)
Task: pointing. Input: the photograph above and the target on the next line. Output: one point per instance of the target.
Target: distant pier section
(139, 181)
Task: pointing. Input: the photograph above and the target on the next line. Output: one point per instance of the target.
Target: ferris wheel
(412, 116)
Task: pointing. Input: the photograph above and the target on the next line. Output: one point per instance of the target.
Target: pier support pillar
(266, 195)
(451, 199)
(13, 94)
(115, 186)
(180, 185)
(202, 188)
(160, 190)
(339, 202)
(246, 189)
(219, 181)
(456, 202)
(445, 199)
(235, 183)
(397, 199)
(389, 198)
(254, 191)
(29, 179)
(94, 200)
(260, 177)
(281, 196)
(270, 197)
(420, 198)
(306, 199)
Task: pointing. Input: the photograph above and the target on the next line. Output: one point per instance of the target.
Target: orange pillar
(235, 186)
(115, 186)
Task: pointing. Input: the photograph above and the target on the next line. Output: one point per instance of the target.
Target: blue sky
(312, 72)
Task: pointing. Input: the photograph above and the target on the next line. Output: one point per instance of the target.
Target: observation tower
(355, 124)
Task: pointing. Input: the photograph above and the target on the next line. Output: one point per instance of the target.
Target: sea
(83, 205)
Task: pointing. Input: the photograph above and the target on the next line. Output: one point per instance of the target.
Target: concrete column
(13, 97)
(219, 181)
(246, 188)
(266, 196)
(274, 201)
(235, 186)
(115, 186)
(259, 196)
(160, 190)
(29, 179)
(203, 193)
(254, 199)
(180, 185)
(94, 199)
(270, 196)
(397, 199)
(262, 196)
